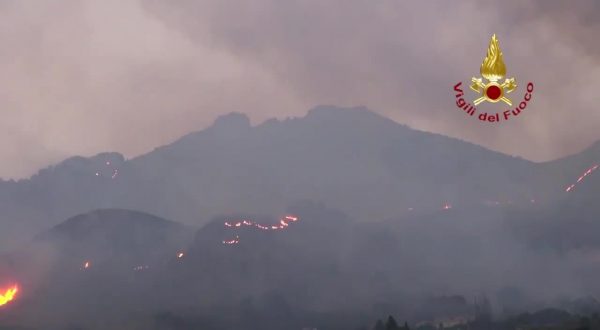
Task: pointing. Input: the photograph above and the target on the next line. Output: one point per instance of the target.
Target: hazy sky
(82, 77)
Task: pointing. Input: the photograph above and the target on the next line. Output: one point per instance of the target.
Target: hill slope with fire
(351, 159)
(116, 268)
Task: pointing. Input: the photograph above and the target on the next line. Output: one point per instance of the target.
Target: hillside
(321, 267)
(351, 159)
(90, 266)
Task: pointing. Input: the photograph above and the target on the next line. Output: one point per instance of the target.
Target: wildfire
(8, 295)
(586, 173)
(236, 240)
(282, 224)
(180, 255)
(87, 265)
(447, 206)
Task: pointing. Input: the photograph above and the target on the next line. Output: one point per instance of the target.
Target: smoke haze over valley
(390, 220)
(298, 165)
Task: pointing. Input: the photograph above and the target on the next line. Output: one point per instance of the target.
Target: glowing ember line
(8, 295)
(580, 178)
(291, 218)
(236, 240)
(283, 224)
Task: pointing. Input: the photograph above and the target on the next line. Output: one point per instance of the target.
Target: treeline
(547, 319)
(390, 324)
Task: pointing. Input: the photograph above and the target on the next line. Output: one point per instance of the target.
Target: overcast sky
(82, 77)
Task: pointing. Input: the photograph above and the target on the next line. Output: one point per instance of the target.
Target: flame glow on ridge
(581, 177)
(283, 224)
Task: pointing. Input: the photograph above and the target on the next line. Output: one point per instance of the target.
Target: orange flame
(8, 295)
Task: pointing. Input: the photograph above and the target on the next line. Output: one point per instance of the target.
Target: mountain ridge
(352, 159)
(316, 113)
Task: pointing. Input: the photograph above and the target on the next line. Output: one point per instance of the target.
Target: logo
(490, 88)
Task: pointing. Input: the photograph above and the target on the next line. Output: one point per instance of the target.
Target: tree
(391, 324)
(379, 325)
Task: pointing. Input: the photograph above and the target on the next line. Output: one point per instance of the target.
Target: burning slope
(8, 295)
(586, 173)
(283, 224)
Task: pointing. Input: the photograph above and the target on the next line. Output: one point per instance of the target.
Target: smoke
(324, 263)
(401, 58)
(80, 77)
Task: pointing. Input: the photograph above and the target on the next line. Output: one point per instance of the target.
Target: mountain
(320, 268)
(565, 171)
(390, 220)
(112, 233)
(307, 272)
(349, 158)
(352, 159)
(109, 238)
(91, 266)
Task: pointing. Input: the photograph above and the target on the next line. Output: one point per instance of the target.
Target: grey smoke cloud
(81, 77)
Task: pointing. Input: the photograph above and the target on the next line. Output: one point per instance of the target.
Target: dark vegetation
(373, 239)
